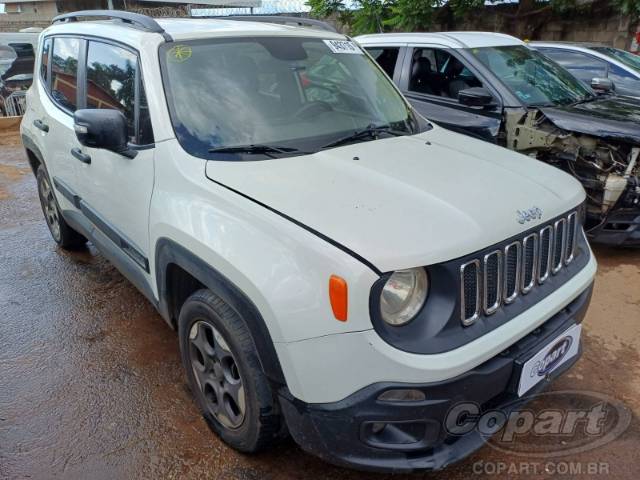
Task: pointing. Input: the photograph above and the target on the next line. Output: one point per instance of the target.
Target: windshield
(629, 59)
(295, 94)
(532, 77)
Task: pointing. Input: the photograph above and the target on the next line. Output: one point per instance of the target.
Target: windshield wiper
(371, 131)
(585, 99)
(256, 149)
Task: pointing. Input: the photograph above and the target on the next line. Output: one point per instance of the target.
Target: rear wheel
(224, 373)
(62, 233)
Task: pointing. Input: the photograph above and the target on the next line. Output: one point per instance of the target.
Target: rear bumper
(344, 432)
(621, 229)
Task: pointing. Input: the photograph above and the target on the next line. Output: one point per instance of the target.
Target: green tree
(629, 7)
(371, 16)
(412, 15)
(367, 16)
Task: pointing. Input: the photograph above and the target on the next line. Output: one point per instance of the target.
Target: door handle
(40, 125)
(83, 157)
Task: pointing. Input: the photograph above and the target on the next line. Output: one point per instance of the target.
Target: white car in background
(589, 61)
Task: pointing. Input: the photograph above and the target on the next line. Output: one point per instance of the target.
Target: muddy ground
(91, 384)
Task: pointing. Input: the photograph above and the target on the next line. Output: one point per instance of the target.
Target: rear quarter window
(44, 61)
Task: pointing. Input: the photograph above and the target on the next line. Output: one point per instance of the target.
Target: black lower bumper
(366, 433)
(621, 229)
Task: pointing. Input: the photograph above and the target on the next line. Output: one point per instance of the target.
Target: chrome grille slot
(470, 299)
(529, 262)
(495, 279)
(512, 256)
(492, 282)
(559, 244)
(572, 235)
(546, 253)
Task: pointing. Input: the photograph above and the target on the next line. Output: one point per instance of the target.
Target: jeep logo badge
(554, 357)
(533, 213)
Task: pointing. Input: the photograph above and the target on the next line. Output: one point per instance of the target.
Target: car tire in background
(224, 373)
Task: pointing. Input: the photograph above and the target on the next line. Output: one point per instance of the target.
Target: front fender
(281, 268)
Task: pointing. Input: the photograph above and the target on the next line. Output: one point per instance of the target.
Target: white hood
(406, 203)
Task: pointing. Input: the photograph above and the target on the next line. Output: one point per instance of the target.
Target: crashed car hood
(406, 201)
(611, 117)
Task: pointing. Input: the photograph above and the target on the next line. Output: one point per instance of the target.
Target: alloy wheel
(50, 208)
(217, 374)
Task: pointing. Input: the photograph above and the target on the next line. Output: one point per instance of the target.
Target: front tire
(224, 373)
(62, 233)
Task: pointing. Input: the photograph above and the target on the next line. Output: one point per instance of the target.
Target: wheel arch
(173, 259)
(33, 154)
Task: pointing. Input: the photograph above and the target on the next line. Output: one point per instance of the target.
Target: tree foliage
(629, 7)
(368, 16)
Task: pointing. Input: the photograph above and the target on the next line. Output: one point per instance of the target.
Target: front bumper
(344, 433)
(622, 229)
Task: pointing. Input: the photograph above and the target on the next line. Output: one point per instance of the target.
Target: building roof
(446, 39)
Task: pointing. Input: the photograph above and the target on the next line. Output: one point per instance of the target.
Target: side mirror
(475, 97)
(602, 85)
(103, 128)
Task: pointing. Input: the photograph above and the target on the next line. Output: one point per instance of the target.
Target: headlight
(403, 295)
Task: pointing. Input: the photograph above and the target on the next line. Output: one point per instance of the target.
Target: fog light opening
(402, 395)
(390, 434)
(377, 428)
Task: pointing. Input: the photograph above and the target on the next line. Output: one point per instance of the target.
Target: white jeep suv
(336, 266)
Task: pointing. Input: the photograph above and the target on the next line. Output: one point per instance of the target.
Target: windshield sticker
(179, 54)
(342, 46)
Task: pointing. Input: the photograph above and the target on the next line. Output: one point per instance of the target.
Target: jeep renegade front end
(336, 266)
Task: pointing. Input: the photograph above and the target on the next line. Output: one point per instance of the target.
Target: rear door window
(386, 57)
(64, 72)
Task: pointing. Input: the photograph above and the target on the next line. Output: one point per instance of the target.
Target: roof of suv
(181, 29)
(447, 39)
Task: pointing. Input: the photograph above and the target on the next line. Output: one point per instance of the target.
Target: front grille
(470, 276)
(495, 281)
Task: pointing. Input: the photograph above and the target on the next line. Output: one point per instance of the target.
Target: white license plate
(553, 355)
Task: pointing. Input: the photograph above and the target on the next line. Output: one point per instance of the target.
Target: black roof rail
(279, 19)
(141, 21)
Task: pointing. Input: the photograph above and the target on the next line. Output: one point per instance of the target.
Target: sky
(268, 6)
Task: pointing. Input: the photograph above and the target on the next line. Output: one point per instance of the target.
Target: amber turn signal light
(338, 294)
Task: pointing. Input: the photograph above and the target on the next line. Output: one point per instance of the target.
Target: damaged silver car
(493, 86)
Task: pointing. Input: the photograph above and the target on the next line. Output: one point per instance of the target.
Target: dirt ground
(91, 384)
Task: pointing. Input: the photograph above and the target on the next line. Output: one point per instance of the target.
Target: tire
(218, 352)
(62, 233)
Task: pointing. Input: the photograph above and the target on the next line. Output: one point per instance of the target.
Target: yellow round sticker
(179, 53)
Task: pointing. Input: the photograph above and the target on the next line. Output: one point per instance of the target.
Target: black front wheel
(224, 373)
